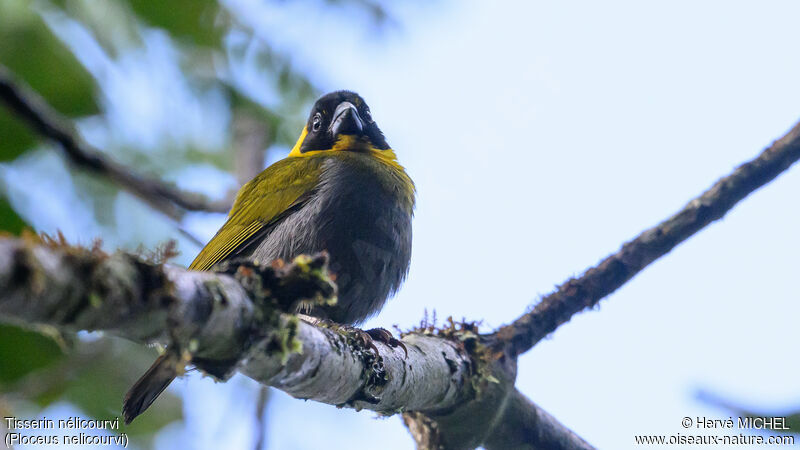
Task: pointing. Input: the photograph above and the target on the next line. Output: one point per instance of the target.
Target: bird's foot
(366, 338)
(383, 335)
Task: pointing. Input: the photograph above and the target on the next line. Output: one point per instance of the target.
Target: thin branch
(32, 108)
(261, 418)
(597, 282)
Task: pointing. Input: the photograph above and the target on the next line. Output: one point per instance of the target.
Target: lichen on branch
(235, 320)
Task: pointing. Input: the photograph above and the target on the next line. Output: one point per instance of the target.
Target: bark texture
(230, 321)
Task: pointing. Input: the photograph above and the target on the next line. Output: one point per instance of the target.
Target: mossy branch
(610, 274)
(237, 320)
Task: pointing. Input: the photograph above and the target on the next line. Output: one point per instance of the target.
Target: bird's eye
(368, 116)
(316, 124)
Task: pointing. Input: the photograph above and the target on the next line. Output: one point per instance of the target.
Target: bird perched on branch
(341, 190)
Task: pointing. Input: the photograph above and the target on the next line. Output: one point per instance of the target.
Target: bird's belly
(368, 238)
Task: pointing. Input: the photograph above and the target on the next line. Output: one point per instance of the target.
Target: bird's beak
(346, 120)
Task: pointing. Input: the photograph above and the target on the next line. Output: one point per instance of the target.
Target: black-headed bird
(340, 190)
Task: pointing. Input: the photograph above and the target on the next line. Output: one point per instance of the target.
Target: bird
(341, 190)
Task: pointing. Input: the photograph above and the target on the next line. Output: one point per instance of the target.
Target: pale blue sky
(542, 135)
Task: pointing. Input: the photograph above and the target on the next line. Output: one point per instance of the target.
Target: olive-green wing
(260, 204)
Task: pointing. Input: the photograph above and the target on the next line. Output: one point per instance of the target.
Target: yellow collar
(346, 143)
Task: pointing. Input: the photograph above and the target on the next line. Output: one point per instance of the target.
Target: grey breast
(355, 215)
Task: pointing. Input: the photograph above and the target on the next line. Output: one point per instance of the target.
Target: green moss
(286, 338)
(216, 290)
(282, 341)
(94, 300)
(301, 284)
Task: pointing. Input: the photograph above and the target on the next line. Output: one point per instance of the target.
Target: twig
(261, 418)
(597, 282)
(32, 108)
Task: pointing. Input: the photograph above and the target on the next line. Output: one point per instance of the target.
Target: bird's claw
(383, 335)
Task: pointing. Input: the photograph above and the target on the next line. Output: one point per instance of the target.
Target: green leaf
(17, 137)
(36, 56)
(10, 221)
(30, 50)
(191, 20)
(24, 351)
(793, 422)
(98, 388)
(93, 376)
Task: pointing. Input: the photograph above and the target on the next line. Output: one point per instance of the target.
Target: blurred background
(541, 136)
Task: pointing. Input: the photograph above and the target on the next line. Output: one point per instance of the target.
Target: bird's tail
(151, 385)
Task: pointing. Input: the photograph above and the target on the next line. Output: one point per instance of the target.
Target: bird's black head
(340, 120)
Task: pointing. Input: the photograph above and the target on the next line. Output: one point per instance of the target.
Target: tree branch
(211, 318)
(499, 418)
(46, 121)
(261, 418)
(597, 282)
(524, 425)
